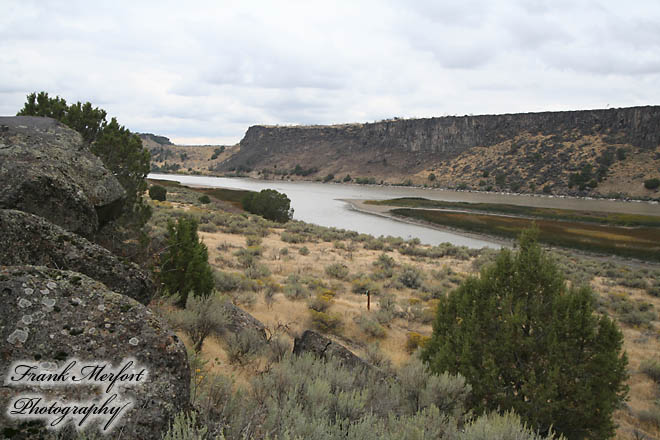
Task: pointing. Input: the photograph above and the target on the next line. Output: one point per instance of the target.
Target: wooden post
(368, 300)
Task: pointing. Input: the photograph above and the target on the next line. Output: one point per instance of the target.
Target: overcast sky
(203, 72)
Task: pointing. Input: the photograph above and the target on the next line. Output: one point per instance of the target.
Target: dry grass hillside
(300, 276)
(529, 163)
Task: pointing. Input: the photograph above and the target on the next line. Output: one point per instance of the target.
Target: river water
(320, 203)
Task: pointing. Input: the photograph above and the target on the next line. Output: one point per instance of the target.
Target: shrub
(320, 303)
(414, 341)
(184, 265)
(202, 317)
(651, 367)
(652, 183)
(295, 290)
(411, 277)
(370, 326)
(253, 240)
(337, 270)
(185, 427)
(325, 322)
(502, 350)
(157, 192)
(243, 346)
(204, 199)
(269, 204)
(303, 250)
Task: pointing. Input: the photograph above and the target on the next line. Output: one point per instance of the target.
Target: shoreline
(383, 211)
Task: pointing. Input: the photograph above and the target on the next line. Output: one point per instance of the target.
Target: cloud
(209, 70)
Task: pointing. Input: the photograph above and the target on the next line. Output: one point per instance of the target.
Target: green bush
(303, 250)
(269, 204)
(204, 199)
(501, 331)
(325, 322)
(184, 264)
(157, 192)
(652, 183)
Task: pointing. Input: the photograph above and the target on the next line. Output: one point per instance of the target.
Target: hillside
(596, 152)
(190, 159)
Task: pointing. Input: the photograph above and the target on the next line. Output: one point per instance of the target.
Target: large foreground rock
(324, 348)
(29, 239)
(46, 169)
(52, 316)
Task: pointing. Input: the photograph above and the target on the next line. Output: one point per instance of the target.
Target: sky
(202, 72)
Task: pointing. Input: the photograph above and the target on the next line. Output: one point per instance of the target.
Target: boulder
(46, 169)
(29, 239)
(324, 348)
(50, 317)
(239, 320)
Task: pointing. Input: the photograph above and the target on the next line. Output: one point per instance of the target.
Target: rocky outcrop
(407, 146)
(51, 317)
(324, 348)
(46, 169)
(29, 239)
(239, 320)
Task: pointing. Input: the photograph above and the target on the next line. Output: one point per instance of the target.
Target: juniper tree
(527, 342)
(184, 265)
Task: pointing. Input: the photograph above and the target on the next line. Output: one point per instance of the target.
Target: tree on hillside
(184, 265)
(120, 150)
(269, 204)
(527, 342)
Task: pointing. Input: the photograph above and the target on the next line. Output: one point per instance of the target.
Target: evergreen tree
(184, 265)
(269, 204)
(527, 342)
(120, 150)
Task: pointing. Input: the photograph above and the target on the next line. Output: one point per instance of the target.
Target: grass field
(233, 196)
(604, 218)
(641, 242)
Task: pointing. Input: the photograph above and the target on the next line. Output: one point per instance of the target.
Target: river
(322, 204)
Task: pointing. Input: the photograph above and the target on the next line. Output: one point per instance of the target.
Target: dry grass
(293, 316)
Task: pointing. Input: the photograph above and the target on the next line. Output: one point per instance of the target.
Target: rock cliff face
(46, 169)
(404, 147)
(51, 317)
(29, 239)
(53, 191)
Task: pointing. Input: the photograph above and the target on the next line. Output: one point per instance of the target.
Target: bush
(411, 277)
(509, 351)
(184, 265)
(204, 199)
(325, 322)
(303, 250)
(651, 367)
(242, 347)
(157, 192)
(202, 317)
(370, 327)
(269, 204)
(652, 183)
(337, 270)
(415, 341)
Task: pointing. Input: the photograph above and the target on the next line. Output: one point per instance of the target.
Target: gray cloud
(208, 71)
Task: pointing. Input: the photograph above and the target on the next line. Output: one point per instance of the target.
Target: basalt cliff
(569, 152)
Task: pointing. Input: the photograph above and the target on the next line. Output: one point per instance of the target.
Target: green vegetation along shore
(642, 242)
(604, 218)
